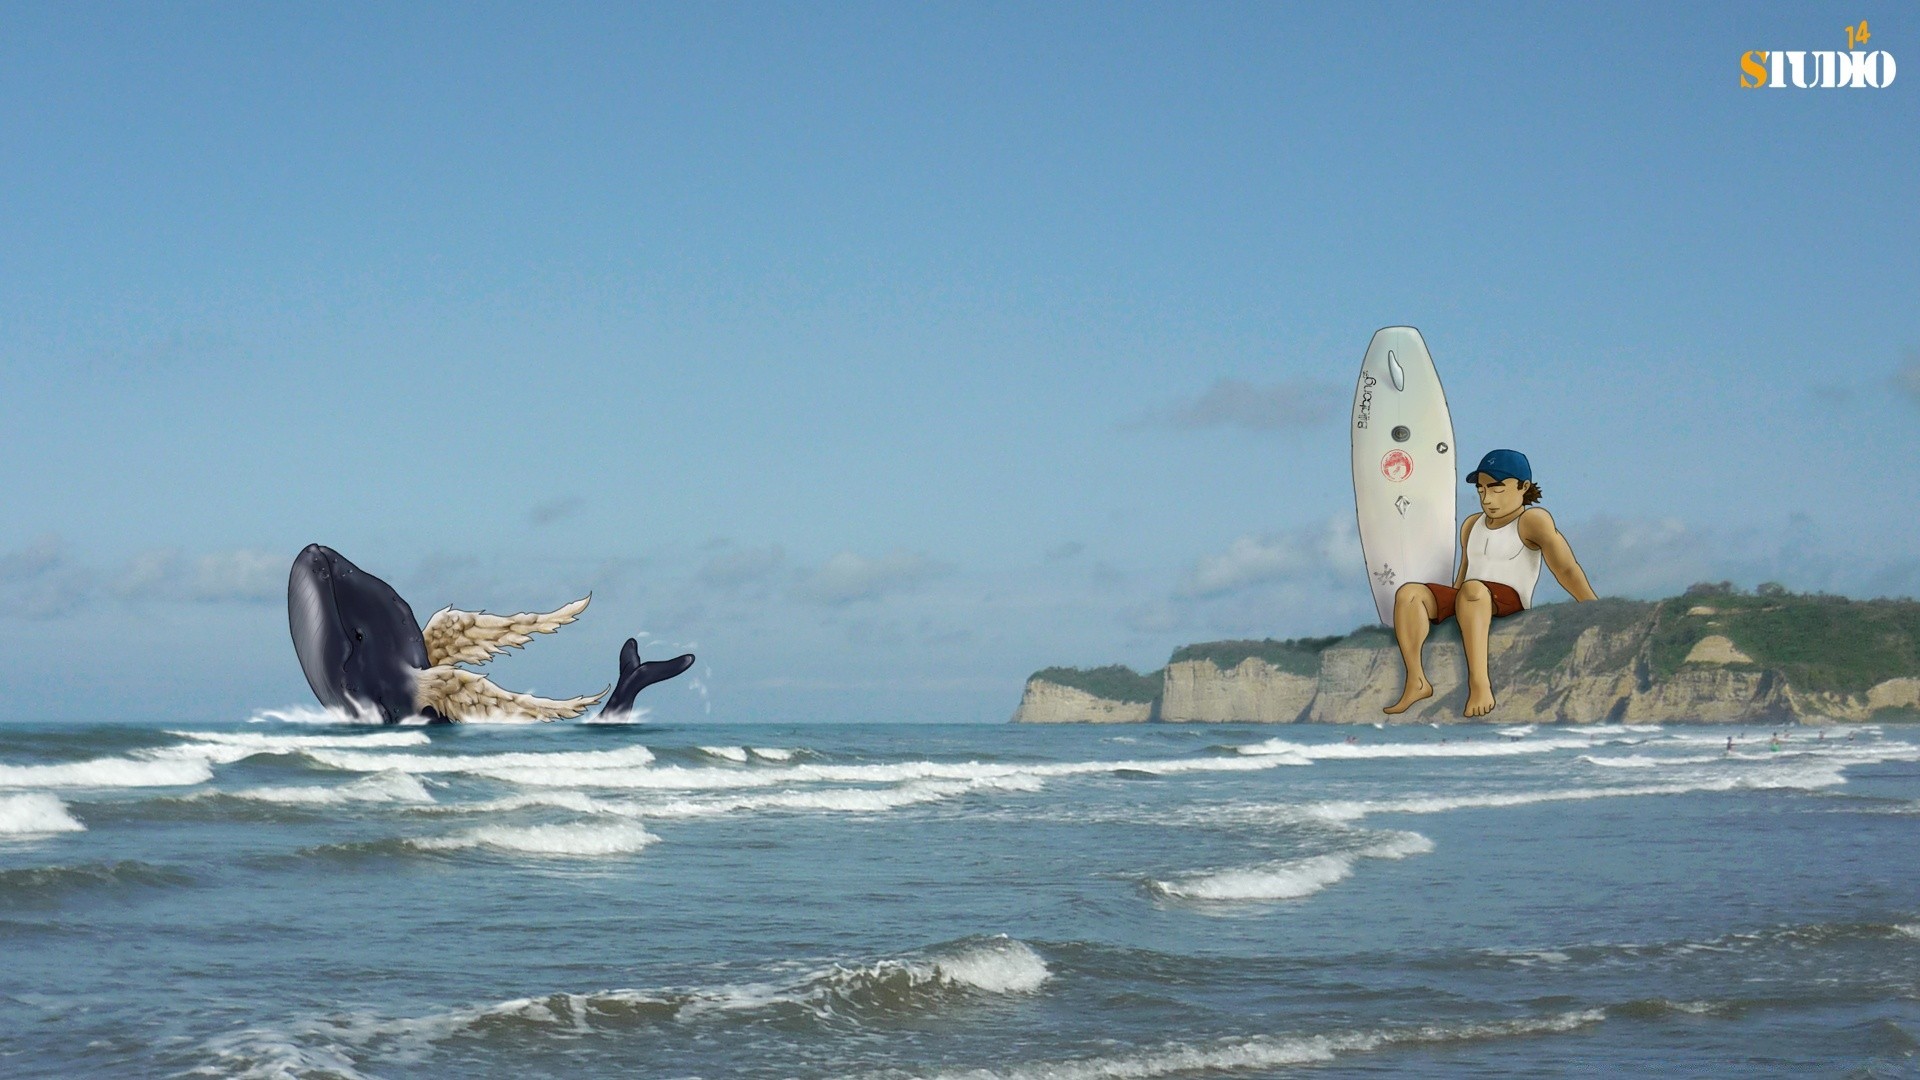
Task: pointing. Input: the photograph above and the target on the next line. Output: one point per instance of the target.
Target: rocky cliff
(1712, 656)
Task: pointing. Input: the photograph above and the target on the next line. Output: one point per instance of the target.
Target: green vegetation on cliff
(1298, 656)
(1819, 643)
(1115, 682)
(1566, 622)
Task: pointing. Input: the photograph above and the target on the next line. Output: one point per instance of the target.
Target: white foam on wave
(111, 772)
(1806, 778)
(1644, 761)
(1004, 966)
(1268, 1052)
(771, 753)
(1612, 729)
(1911, 930)
(318, 714)
(728, 753)
(1520, 732)
(636, 715)
(392, 786)
(870, 800)
(260, 741)
(579, 839)
(1292, 879)
(34, 814)
(631, 768)
(326, 1047)
(583, 761)
(1367, 751)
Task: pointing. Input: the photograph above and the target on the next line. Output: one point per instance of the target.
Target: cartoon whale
(364, 653)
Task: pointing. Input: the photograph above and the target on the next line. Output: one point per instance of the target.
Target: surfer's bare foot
(1479, 700)
(1416, 690)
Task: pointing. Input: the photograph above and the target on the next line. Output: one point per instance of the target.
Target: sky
(885, 354)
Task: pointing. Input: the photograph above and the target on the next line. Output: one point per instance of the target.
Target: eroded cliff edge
(1714, 655)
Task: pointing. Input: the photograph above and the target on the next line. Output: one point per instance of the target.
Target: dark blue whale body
(362, 648)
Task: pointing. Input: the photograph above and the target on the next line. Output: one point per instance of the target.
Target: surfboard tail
(637, 674)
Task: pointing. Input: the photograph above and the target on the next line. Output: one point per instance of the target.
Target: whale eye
(359, 635)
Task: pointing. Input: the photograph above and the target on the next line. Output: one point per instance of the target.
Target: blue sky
(885, 354)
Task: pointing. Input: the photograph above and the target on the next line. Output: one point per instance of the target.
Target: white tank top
(1500, 555)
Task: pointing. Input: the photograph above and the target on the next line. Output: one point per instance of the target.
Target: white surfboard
(1405, 472)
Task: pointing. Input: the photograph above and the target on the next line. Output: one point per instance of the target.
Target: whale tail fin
(636, 675)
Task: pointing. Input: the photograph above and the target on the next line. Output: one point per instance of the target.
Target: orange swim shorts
(1505, 600)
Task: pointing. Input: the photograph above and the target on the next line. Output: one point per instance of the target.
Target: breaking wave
(1358, 751)
(905, 986)
(1291, 879)
(579, 839)
(35, 814)
(108, 773)
(1265, 1052)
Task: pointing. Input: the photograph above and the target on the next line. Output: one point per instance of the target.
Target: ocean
(290, 895)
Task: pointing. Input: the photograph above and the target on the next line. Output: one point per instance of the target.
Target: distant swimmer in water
(1729, 744)
(1501, 549)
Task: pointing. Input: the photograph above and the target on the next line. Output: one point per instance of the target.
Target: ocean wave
(108, 772)
(392, 786)
(35, 814)
(636, 715)
(904, 986)
(586, 761)
(726, 753)
(316, 714)
(26, 884)
(576, 839)
(1292, 879)
(551, 773)
(1644, 761)
(262, 741)
(867, 800)
(1800, 779)
(1266, 1052)
(1366, 751)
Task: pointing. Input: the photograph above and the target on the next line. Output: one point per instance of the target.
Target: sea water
(294, 896)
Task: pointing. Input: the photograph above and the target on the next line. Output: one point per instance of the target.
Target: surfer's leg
(1414, 609)
(1474, 607)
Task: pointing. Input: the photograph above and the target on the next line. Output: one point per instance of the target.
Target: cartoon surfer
(1501, 549)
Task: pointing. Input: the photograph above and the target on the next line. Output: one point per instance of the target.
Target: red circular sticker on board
(1397, 465)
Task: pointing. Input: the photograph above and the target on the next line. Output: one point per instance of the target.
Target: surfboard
(1405, 475)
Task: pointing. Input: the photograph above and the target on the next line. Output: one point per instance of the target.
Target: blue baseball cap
(1503, 465)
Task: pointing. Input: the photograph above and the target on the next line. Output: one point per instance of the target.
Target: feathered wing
(473, 637)
(457, 693)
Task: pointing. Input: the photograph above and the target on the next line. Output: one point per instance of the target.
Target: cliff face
(1050, 703)
(1615, 661)
(1199, 692)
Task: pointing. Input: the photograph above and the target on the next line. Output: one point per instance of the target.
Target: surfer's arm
(1460, 575)
(1537, 531)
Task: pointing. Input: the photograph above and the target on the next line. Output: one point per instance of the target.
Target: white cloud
(847, 577)
(553, 510)
(244, 575)
(732, 569)
(1326, 552)
(1283, 406)
(41, 581)
(1907, 379)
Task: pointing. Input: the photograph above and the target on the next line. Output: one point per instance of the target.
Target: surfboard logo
(1385, 575)
(1396, 466)
(1401, 504)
